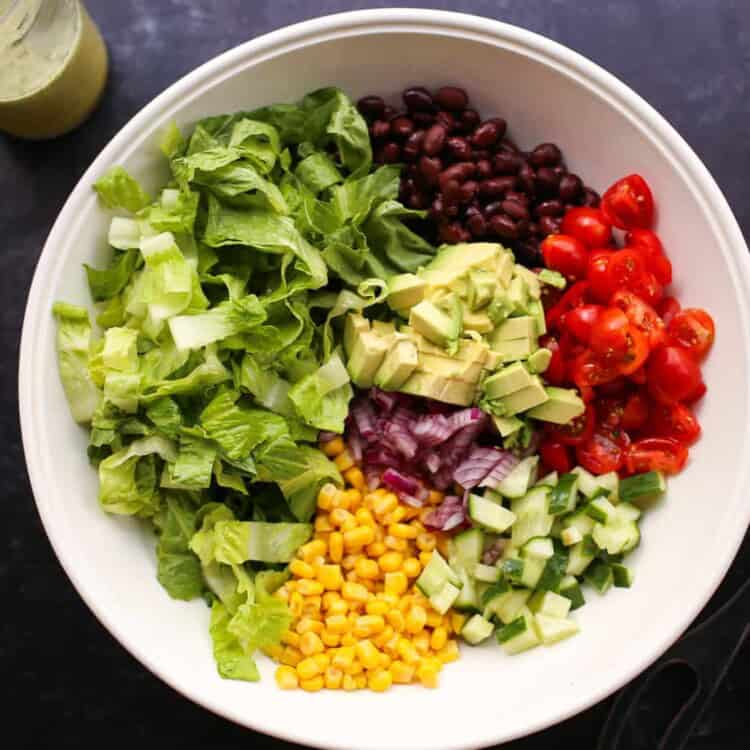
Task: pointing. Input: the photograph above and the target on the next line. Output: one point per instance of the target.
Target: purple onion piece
(501, 470)
(477, 464)
(400, 483)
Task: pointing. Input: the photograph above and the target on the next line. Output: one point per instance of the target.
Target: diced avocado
(562, 405)
(477, 321)
(507, 425)
(531, 280)
(405, 290)
(459, 393)
(439, 388)
(522, 327)
(434, 324)
(552, 278)
(481, 288)
(459, 258)
(450, 367)
(384, 329)
(493, 361)
(525, 399)
(536, 310)
(539, 360)
(512, 351)
(398, 365)
(504, 268)
(517, 297)
(554, 629)
(355, 324)
(507, 380)
(367, 355)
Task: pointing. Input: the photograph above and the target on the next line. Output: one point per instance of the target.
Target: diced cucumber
(599, 575)
(554, 571)
(487, 573)
(513, 569)
(533, 568)
(549, 603)
(628, 512)
(532, 518)
(554, 629)
(549, 480)
(476, 630)
(507, 606)
(587, 483)
(538, 547)
(600, 509)
(642, 486)
(443, 600)
(620, 534)
(564, 495)
(570, 536)
(467, 598)
(611, 483)
(622, 576)
(467, 547)
(491, 596)
(521, 636)
(523, 476)
(580, 520)
(571, 589)
(435, 575)
(592, 486)
(580, 557)
(490, 515)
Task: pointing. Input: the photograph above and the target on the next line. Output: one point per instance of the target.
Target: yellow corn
(356, 478)
(330, 639)
(340, 516)
(349, 683)
(361, 680)
(333, 447)
(310, 644)
(435, 497)
(366, 568)
(396, 620)
(421, 642)
(428, 671)
(358, 537)
(312, 685)
(396, 583)
(438, 639)
(290, 638)
(424, 558)
(322, 523)
(384, 637)
(286, 678)
(412, 567)
(312, 549)
(376, 607)
(402, 531)
(341, 500)
(449, 652)
(376, 549)
(308, 668)
(336, 546)
(416, 619)
(333, 678)
(368, 655)
(343, 658)
(396, 543)
(385, 504)
(301, 569)
(368, 625)
(343, 461)
(401, 672)
(330, 578)
(364, 517)
(291, 656)
(390, 562)
(337, 624)
(354, 592)
(326, 496)
(426, 541)
(379, 680)
(307, 587)
(457, 621)
(340, 607)
(407, 651)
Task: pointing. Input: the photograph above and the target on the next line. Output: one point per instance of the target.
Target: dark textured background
(64, 682)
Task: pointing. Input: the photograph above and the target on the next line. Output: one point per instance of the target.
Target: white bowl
(547, 93)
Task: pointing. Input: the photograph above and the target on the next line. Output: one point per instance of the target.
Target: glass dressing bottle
(53, 67)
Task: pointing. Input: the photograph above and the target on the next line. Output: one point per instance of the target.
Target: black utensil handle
(709, 651)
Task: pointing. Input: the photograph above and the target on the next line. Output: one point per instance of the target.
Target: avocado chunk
(562, 405)
(459, 258)
(441, 389)
(457, 392)
(405, 290)
(398, 365)
(477, 321)
(450, 367)
(481, 288)
(511, 351)
(504, 269)
(530, 279)
(366, 356)
(435, 324)
(523, 327)
(385, 330)
(517, 298)
(493, 360)
(539, 361)
(552, 278)
(506, 381)
(354, 325)
(507, 425)
(536, 310)
(525, 399)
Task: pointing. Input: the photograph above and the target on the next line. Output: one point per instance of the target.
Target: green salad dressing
(53, 66)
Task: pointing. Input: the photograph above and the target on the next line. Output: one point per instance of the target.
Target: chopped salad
(380, 382)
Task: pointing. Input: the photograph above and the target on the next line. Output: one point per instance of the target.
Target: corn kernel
(336, 546)
(383, 638)
(361, 680)
(286, 678)
(323, 660)
(290, 638)
(434, 618)
(421, 642)
(390, 562)
(331, 640)
(356, 478)
(312, 685)
(379, 680)
(341, 500)
(368, 655)
(377, 548)
(438, 639)
(332, 447)
(310, 644)
(329, 598)
(355, 592)
(326, 495)
(339, 516)
(343, 461)
(416, 619)
(412, 567)
(426, 541)
(407, 651)
(396, 620)
(337, 624)
(364, 517)
(435, 497)
(401, 672)
(349, 561)
(333, 678)
(291, 656)
(308, 668)
(366, 568)
(412, 513)
(343, 658)
(273, 652)
(385, 504)
(368, 625)
(348, 639)
(396, 583)
(428, 671)
(457, 621)
(442, 545)
(352, 576)
(376, 607)
(358, 537)
(396, 543)
(340, 607)
(282, 593)
(396, 515)
(449, 652)
(349, 683)
(424, 558)
(301, 569)
(306, 587)
(355, 667)
(296, 603)
(329, 577)
(322, 523)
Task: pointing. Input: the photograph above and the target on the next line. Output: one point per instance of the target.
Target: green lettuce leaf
(194, 466)
(237, 542)
(172, 143)
(232, 661)
(109, 282)
(301, 490)
(258, 142)
(178, 569)
(117, 189)
(175, 212)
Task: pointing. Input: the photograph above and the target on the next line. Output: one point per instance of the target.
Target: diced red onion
(466, 417)
(432, 429)
(385, 401)
(448, 515)
(354, 443)
(453, 450)
(500, 470)
(414, 502)
(402, 440)
(432, 462)
(478, 463)
(399, 482)
(364, 418)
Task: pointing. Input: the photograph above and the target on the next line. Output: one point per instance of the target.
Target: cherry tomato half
(575, 432)
(642, 316)
(555, 456)
(582, 320)
(609, 334)
(629, 204)
(645, 238)
(598, 275)
(694, 330)
(637, 351)
(589, 225)
(565, 254)
(648, 288)
(556, 372)
(635, 413)
(574, 297)
(673, 421)
(603, 452)
(590, 369)
(627, 269)
(673, 375)
(667, 309)
(655, 454)
(649, 245)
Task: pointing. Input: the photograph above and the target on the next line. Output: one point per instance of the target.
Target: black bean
(496, 186)
(423, 119)
(430, 168)
(389, 112)
(517, 196)
(460, 172)
(506, 144)
(446, 119)
(515, 209)
(418, 99)
(402, 127)
(527, 179)
(533, 228)
(493, 208)
(506, 162)
(371, 106)
(484, 169)
(549, 225)
(481, 154)
(503, 226)
(591, 198)
(437, 208)
(468, 190)
(570, 187)
(418, 201)
(391, 153)
(459, 148)
(477, 225)
(453, 233)
(547, 181)
(409, 153)
(451, 192)
(552, 207)
(380, 129)
(545, 155)
(527, 253)
(522, 229)
(486, 134)
(434, 139)
(469, 119)
(502, 126)
(451, 98)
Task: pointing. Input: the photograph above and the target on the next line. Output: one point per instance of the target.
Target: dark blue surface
(65, 682)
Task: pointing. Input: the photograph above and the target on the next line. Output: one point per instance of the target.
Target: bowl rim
(389, 20)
